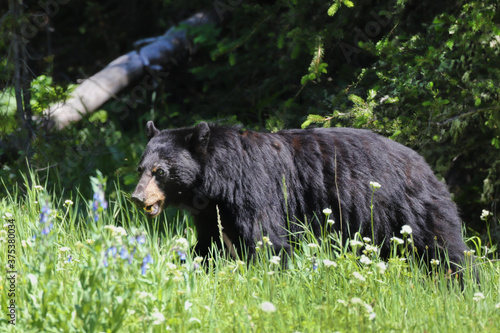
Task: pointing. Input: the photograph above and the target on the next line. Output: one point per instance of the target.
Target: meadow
(98, 265)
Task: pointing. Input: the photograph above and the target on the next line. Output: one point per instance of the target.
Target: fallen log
(152, 56)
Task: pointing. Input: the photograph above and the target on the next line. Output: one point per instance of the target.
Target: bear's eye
(159, 172)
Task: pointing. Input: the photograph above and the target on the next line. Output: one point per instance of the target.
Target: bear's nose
(138, 199)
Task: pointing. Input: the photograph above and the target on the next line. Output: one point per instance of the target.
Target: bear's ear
(151, 130)
(201, 135)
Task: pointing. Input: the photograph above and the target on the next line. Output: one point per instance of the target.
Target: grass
(88, 269)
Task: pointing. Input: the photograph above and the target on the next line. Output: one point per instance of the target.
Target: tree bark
(152, 56)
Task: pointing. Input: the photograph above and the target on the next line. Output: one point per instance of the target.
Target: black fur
(245, 173)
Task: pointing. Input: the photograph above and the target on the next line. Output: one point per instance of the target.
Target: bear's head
(170, 167)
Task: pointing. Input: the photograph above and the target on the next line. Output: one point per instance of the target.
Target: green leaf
(348, 3)
(477, 101)
(333, 9)
(304, 79)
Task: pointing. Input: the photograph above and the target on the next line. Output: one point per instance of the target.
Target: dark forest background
(425, 73)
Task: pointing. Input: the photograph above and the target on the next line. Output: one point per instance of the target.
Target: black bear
(272, 184)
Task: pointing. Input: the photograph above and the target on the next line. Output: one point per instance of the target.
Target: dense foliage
(424, 73)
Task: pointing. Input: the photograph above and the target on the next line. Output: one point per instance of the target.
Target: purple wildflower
(112, 250)
(99, 202)
(123, 253)
(141, 239)
(147, 260)
(182, 255)
(45, 219)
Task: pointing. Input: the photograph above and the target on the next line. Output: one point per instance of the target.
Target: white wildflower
(267, 307)
(119, 231)
(375, 185)
(198, 260)
(478, 297)
(182, 243)
(434, 262)
(366, 239)
(355, 243)
(397, 240)
(7, 215)
(146, 295)
(64, 249)
(365, 260)
(329, 263)
(275, 260)
(406, 230)
(171, 266)
(370, 248)
(356, 300)
(330, 222)
(187, 305)
(38, 187)
(157, 317)
(469, 253)
(381, 266)
(327, 211)
(484, 214)
(68, 202)
(358, 276)
(313, 245)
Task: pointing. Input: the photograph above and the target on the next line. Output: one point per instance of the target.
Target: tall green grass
(91, 272)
